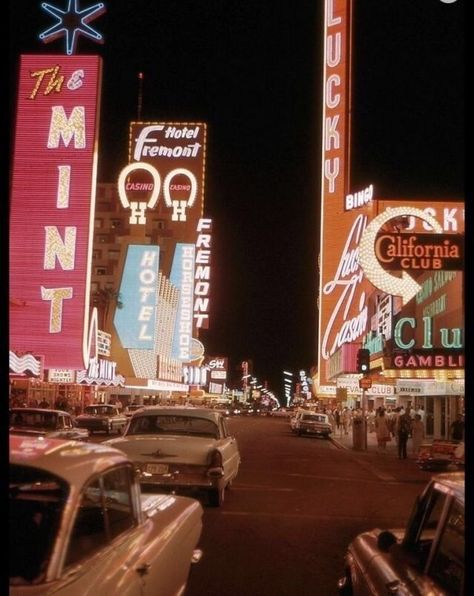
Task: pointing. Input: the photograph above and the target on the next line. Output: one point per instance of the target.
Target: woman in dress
(382, 430)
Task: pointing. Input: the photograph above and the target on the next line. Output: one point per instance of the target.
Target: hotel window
(101, 271)
(98, 223)
(94, 287)
(159, 224)
(114, 254)
(115, 224)
(96, 254)
(102, 239)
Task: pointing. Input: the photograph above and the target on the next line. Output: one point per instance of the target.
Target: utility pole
(140, 96)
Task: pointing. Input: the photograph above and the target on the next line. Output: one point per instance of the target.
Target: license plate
(157, 468)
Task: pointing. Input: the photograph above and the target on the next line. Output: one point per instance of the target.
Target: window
(447, 567)
(88, 534)
(119, 502)
(98, 223)
(105, 512)
(100, 271)
(114, 254)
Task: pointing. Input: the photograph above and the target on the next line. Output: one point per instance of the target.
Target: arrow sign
(406, 286)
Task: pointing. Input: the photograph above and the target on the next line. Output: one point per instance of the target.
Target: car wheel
(216, 497)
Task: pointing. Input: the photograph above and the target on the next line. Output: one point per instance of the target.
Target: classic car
(313, 423)
(131, 409)
(181, 449)
(441, 455)
(102, 417)
(80, 525)
(294, 418)
(39, 422)
(425, 558)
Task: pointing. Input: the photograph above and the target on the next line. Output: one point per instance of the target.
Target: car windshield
(37, 501)
(99, 410)
(173, 425)
(314, 418)
(29, 419)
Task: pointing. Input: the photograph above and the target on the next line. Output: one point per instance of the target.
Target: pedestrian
(457, 429)
(44, 403)
(403, 432)
(346, 420)
(382, 430)
(337, 418)
(417, 434)
(371, 416)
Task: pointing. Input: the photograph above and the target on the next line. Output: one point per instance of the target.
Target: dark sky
(252, 70)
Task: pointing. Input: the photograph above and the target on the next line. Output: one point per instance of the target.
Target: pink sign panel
(52, 207)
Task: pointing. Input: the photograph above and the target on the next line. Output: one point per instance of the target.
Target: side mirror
(385, 540)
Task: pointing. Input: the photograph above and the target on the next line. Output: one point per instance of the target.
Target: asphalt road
(295, 505)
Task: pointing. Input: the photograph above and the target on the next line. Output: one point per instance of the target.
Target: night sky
(252, 70)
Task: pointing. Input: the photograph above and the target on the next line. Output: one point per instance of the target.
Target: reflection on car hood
(174, 448)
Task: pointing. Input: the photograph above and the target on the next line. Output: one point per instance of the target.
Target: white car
(313, 423)
(79, 524)
(183, 449)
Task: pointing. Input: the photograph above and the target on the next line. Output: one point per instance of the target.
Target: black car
(42, 422)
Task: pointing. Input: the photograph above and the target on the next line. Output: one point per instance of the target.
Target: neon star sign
(71, 23)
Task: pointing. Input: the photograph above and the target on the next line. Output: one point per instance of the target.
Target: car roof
(181, 410)
(454, 481)
(74, 461)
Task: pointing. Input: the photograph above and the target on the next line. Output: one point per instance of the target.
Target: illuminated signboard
(173, 157)
(182, 277)
(202, 273)
(135, 321)
(343, 292)
(407, 252)
(52, 207)
(427, 329)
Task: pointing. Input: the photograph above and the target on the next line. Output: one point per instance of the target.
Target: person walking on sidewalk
(403, 432)
(346, 420)
(382, 430)
(417, 434)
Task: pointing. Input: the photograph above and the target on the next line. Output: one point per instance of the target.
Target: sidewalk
(346, 442)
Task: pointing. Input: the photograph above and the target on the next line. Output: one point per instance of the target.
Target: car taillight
(216, 468)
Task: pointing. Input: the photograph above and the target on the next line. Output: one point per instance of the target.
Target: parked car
(441, 455)
(294, 418)
(313, 423)
(131, 409)
(425, 558)
(183, 449)
(41, 422)
(80, 525)
(102, 417)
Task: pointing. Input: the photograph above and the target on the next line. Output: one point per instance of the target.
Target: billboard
(135, 321)
(52, 207)
(182, 277)
(167, 163)
(423, 323)
(343, 315)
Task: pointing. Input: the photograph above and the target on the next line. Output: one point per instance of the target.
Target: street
(291, 512)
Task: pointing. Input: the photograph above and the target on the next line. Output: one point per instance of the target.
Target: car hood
(29, 432)
(165, 448)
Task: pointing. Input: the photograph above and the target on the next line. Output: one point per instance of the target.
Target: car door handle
(143, 569)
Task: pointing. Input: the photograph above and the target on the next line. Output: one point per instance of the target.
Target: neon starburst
(71, 23)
